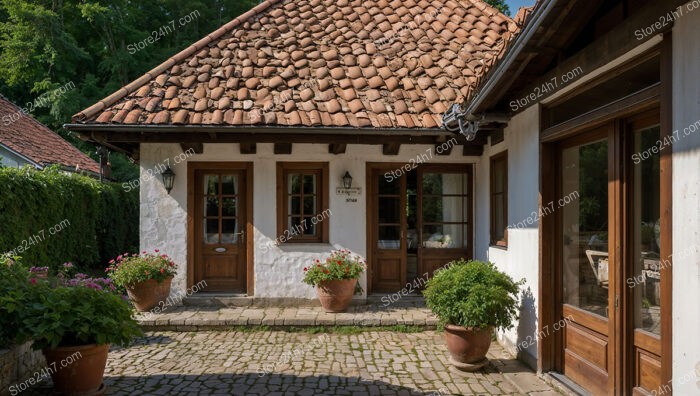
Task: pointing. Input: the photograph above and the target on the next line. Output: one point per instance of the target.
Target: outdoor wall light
(347, 180)
(168, 179)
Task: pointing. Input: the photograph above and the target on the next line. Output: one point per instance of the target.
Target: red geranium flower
(162, 270)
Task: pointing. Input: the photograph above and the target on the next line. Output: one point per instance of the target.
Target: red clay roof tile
(303, 56)
(35, 141)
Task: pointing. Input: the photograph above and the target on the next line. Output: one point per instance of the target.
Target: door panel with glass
(585, 262)
(418, 221)
(220, 258)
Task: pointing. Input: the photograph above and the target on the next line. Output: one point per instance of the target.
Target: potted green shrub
(470, 299)
(335, 279)
(74, 327)
(146, 277)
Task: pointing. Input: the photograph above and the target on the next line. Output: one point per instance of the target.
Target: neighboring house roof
(326, 63)
(31, 139)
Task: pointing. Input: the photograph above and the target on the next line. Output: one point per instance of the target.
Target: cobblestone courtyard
(368, 363)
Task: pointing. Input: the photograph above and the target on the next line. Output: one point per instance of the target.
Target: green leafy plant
(99, 220)
(340, 265)
(79, 315)
(473, 294)
(15, 295)
(127, 270)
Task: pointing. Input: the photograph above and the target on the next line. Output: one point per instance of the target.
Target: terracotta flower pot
(146, 295)
(468, 346)
(336, 295)
(77, 370)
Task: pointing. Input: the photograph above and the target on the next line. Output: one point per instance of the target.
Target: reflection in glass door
(586, 266)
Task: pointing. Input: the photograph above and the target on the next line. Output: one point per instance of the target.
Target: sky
(516, 4)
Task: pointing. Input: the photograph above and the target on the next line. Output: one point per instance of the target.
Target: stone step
(195, 318)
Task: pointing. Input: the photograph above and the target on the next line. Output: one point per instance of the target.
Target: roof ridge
(179, 57)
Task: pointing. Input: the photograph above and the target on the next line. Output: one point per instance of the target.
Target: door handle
(242, 234)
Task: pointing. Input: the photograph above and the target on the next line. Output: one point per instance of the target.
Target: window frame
(502, 156)
(322, 189)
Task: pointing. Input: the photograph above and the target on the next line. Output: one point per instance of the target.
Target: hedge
(49, 217)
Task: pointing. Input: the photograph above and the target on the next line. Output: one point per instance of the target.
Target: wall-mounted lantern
(347, 180)
(168, 179)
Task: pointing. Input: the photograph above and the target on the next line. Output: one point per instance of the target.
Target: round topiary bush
(473, 294)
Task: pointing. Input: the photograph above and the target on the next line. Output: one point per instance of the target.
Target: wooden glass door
(444, 214)
(220, 224)
(587, 261)
(387, 222)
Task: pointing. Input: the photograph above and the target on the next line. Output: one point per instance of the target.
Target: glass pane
(211, 184)
(294, 206)
(389, 237)
(585, 227)
(647, 234)
(443, 209)
(211, 206)
(211, 231)
(294, 225)
(229, 207)
(294, 182)
(309, 226)
(310, 205)
(499, 216)
(229, 230)
(445, 236)
(229, 185)
(309, 184)
(387, 187)
(432, 184)
(499, 172)
(389, 210)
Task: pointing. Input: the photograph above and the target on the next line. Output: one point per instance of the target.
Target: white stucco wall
(686, 205)
(278, 270)
(521, 259)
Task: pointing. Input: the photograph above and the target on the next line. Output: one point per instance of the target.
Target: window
(499, 199)
(302, 202)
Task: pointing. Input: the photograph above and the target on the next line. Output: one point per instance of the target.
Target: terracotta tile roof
(30, 138)
(332, 63)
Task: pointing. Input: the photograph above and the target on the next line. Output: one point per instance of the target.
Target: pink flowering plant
(340, 265)
(127, 270)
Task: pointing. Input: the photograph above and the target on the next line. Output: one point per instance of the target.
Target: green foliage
(70, 316)
(128, 270)
(473, 294)
(501, 5)
(340, 265)
(14, 296)
(92, 221)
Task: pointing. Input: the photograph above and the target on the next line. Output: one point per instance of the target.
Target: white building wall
(521, 258)
(278, 270)
(686, 204)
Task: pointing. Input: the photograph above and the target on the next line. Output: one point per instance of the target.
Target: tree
(81, 49)
(501, 5)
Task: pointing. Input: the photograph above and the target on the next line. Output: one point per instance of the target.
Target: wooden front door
(387, 222)
(587, 260)
(220, 222)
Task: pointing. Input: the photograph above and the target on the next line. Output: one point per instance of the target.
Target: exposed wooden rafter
(249, 148)
(198, 148)
(391, 148)
(283, 148)
(337, 148)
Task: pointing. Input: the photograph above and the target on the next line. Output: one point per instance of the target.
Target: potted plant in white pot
(470, 299)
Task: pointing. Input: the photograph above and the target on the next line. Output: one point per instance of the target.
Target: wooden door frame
(549, 348)
(247, 167)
